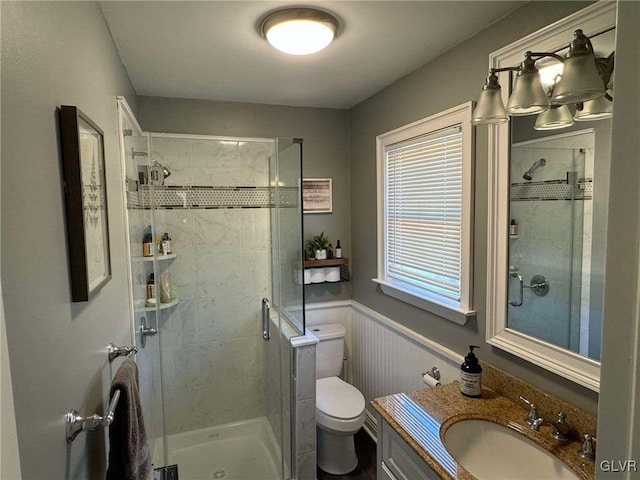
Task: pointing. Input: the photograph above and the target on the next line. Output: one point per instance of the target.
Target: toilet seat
(339, 406)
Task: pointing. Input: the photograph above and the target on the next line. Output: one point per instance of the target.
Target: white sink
(491, 451)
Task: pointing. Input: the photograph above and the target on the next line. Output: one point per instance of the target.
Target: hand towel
(129, 451)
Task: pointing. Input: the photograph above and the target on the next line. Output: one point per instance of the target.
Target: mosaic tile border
(186, 197)
(552, 190)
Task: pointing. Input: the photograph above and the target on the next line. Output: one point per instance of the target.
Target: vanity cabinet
(396, 459)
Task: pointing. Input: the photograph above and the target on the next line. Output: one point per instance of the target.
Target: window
(425, 192)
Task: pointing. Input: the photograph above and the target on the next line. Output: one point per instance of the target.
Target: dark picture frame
(85, 189)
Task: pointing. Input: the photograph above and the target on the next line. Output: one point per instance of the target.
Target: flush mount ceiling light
(299, 31)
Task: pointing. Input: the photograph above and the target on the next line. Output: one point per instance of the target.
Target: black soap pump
(471, 375)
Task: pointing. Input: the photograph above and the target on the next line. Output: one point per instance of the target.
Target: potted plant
(318, 246)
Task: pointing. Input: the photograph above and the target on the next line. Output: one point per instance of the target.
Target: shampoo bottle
(471, 375)
(147, 243)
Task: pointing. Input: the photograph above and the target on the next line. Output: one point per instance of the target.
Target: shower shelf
(514, 236)
(163, 306)
(160, 258)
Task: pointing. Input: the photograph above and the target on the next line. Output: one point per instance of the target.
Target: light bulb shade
(596, 109)
(528, 96)
(299, 31)
(555, 117)
(580, 79)
(490, 108)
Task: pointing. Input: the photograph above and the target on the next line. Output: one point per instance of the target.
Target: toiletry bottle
(147, 243)
(151, 287)
(159, 244)
(471, 375)
(166, 243)
(338, 250)
(513, 228)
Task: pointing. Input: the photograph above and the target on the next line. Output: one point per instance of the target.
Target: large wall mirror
(548, 214)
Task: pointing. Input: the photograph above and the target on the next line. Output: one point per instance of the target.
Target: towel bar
(114, 352)
(77, 423)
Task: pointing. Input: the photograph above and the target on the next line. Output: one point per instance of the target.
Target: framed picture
(317, 196)
(82, 145)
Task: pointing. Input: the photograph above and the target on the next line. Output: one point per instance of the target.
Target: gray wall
(454, 78)
(52, 54)
(325, 153)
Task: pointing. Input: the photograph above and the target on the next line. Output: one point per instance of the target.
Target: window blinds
(424, 212)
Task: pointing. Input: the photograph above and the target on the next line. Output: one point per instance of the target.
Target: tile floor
(366, 452)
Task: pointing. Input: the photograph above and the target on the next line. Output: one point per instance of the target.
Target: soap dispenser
(471, 375)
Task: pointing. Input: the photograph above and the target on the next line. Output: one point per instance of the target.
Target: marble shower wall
(213, 352)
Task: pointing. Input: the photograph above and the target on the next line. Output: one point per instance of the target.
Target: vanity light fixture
(300, 30)
(582, 82)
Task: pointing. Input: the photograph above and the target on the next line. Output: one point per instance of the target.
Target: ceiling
(212, 50)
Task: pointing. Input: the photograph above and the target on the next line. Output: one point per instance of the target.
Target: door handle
(266, 309)
(514, 303)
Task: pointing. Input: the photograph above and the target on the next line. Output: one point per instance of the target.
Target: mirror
(547, 220)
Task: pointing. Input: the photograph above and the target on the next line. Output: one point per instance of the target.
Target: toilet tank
(330, 350)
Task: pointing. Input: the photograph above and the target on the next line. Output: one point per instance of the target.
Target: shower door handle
(266, 309)
(514, 303)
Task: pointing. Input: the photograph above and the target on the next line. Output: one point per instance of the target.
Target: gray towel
(129, 451)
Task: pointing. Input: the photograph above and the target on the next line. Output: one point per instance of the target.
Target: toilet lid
(338, 399)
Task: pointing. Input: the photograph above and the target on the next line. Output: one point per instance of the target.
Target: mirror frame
(577, 368)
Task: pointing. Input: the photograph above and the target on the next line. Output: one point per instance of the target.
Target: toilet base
(336, 452)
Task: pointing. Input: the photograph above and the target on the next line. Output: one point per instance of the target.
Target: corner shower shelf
(163, 306)
(160, 258)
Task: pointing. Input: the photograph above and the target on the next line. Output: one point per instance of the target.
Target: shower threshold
(245, 450)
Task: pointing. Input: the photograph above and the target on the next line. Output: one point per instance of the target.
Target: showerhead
(528, 175)
(165, 171)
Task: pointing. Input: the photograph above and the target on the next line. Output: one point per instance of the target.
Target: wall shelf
(343, 263)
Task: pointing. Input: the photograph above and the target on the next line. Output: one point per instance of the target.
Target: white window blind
(424, 212)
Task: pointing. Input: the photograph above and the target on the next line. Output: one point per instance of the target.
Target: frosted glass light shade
(580, 79)
(490, 108)
(595, 110)
(555, 117)
(299, 31)
(528, 96)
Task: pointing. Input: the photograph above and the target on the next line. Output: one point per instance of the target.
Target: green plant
(317, 242)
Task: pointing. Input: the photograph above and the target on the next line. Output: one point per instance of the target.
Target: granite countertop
(419, 417)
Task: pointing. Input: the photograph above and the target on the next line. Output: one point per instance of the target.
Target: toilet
(339, 406)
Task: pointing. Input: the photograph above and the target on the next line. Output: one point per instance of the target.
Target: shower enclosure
(215, 391)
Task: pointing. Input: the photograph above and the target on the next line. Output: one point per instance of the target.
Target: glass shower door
(135, 159)
(285, 174)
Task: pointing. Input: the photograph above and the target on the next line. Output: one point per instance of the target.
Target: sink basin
(491, 451)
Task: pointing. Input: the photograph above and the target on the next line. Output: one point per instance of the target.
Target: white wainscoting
(383, 357)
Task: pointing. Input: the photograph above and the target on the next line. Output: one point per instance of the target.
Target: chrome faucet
(532, 416)
(587, 450)
(560, 427)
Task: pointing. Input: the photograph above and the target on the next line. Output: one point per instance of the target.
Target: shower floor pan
(244, 450)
